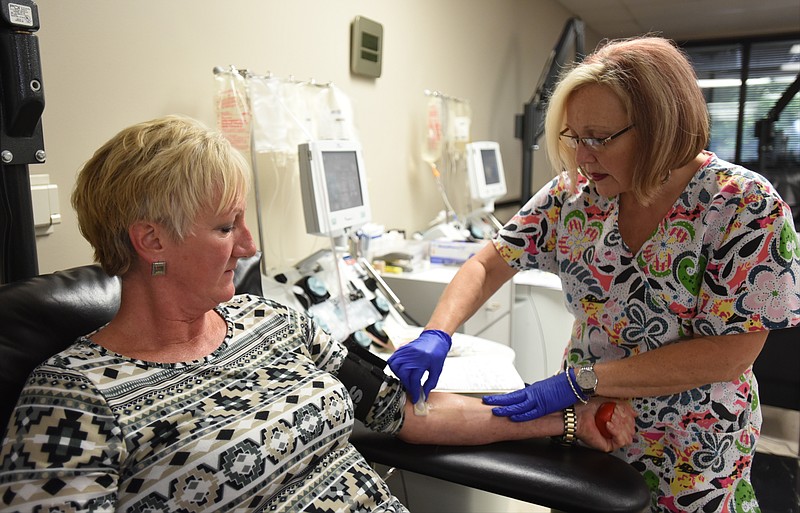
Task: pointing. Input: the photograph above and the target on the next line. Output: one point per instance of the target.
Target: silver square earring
(158, 268)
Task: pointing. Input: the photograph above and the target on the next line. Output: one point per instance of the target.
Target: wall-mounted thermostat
(366, 47)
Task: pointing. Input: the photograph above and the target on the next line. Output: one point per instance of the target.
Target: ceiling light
(731, 82)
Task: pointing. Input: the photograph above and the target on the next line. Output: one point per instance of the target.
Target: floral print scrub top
(724, 260)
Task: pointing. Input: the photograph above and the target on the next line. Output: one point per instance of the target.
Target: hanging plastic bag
(296, 99)
(335, 115)
(270, 116)
(314, 98)
(459, 124)
(432, 146)
(233, 114)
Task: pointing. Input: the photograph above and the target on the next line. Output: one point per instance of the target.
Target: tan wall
(110, 63)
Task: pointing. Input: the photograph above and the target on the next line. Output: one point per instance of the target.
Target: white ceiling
(687, 19)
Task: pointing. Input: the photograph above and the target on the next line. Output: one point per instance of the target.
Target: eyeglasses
(590, 142)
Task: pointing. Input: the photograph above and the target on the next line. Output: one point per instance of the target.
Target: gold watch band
(570, 426)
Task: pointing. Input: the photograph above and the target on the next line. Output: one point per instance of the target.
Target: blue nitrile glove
(535, 400)
(426, 353)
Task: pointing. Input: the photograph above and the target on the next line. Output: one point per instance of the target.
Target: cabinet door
(496, 307)
(499, 331)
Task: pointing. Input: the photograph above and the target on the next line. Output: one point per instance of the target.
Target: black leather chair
(776, 476)
(777, 370)
(42, 315)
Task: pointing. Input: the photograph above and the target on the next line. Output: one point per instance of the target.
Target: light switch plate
(366, 47)
(44, 199)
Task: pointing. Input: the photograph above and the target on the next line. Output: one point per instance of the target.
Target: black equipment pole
(764, 128)
(529, 126)
(21, 139)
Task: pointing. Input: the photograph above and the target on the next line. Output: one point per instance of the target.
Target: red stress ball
(603, 415)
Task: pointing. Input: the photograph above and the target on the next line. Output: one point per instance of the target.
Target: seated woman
(192, 399)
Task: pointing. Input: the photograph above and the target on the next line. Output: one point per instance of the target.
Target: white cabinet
(542, 325)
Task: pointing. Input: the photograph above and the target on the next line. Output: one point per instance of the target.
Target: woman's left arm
(680, 366)
(455, 419)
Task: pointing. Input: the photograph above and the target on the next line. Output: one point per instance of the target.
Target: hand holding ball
(603, 415)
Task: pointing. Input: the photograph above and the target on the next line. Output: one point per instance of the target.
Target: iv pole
(21, 139)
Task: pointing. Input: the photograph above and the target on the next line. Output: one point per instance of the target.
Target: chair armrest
(536, 471)
(777, 369)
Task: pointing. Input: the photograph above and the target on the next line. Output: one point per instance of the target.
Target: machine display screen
(342, 180)
(491, 171)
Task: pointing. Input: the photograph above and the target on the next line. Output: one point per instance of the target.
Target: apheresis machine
(342, 291)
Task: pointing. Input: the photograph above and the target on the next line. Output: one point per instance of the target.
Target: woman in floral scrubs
(674, 263)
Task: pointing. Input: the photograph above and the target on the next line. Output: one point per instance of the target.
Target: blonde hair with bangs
(656, 83)
(164, 171)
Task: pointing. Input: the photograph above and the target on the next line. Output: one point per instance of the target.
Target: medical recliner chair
(42, 315)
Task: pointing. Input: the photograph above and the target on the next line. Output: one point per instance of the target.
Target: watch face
(586, 379)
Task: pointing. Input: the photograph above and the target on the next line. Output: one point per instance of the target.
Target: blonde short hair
(164, 171)
(656, 83)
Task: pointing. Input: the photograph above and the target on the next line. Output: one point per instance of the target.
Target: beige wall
(110, 63)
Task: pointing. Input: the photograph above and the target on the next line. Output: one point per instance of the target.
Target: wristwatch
(587, 380)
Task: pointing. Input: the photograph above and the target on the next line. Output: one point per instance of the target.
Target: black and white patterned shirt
(260, 424)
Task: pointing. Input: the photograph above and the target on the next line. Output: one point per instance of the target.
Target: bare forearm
(455, 419)
(680, 366)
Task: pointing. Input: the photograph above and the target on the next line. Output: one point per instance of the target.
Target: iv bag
(233, 116)
(459, 122)
(432, 146)
(313, 96)
(270, 118)
(335, 115)
(295, 97)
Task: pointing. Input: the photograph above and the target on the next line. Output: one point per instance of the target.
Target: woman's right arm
(476, 281)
